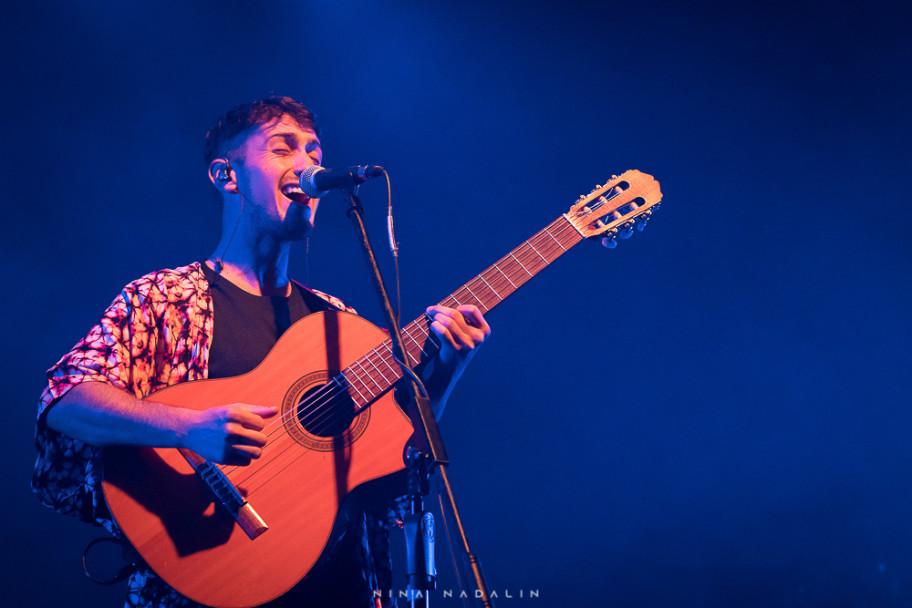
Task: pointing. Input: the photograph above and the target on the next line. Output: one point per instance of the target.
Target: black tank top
(247, 326)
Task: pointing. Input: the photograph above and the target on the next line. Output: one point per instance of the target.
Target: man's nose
(302, 162)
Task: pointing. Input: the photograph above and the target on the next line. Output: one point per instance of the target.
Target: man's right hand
(229, 434)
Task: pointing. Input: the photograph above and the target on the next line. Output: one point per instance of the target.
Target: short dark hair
(245, 116)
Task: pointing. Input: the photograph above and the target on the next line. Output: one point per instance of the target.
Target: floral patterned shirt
(156, 333)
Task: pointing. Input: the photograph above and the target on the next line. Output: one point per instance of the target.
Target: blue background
(713, 414)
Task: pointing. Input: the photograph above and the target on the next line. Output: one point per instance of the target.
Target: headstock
(625, 202)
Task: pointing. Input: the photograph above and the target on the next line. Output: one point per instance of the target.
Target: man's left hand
(461, 331)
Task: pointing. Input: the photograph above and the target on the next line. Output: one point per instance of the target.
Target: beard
(292, 228)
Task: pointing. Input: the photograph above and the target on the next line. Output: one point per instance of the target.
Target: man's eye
(280, 151)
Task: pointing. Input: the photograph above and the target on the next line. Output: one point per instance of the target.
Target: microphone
(317, 181)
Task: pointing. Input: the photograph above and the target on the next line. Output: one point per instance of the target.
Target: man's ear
(222, 175)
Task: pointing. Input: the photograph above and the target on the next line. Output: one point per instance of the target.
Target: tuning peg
(609, 241)
(626, 231)
(641, 222)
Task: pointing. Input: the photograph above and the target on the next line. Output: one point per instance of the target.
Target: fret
(549, 251)
(537, 253)
(418, 345)
(413, 361)
(484, 291)
(571, 236)
(366, 374)
(480, 304)
(505, 276)
(367, 358)
(348, 385)
(423, 333)
(552, 244)
(390, 360)
(520, 264)
(528, 262)
(482, 298)
(545, 246)
(434, 340)
(491, 288)
(554, 239)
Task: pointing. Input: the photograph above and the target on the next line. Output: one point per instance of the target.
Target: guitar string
(424, 334)
(528, 255)
(380, 388)
(276, 456)
(383, 359)
(321, 425)
(314, 408)
(322, 407)
(495, 282)
(410, 330)
(525, 252)
(499, 282)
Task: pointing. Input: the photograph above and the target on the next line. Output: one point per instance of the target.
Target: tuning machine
(609, 239)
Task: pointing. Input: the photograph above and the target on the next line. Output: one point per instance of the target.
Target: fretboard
(376, 372)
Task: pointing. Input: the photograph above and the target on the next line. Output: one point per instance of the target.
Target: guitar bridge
(227, 495)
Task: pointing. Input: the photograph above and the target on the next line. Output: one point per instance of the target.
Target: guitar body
(297, 486)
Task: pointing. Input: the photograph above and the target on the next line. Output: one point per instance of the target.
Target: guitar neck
(511, 272)
(373, 374)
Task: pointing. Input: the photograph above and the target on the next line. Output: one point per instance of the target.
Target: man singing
(215, 319)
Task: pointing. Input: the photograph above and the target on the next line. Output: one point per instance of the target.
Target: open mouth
(294, 192)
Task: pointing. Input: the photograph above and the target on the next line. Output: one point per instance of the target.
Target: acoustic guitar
(235, 537)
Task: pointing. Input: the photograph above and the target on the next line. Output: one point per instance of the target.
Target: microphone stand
(422, 575)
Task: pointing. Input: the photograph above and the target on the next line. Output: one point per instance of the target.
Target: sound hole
(325, 412)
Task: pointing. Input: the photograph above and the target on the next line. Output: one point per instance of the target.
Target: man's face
(273, 157)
